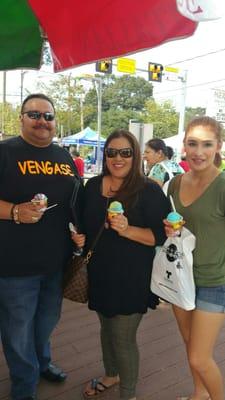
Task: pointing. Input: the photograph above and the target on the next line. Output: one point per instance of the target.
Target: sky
(201, 57)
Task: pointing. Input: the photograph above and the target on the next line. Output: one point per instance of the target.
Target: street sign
(171, 69)
(126, 65)
(216, 105)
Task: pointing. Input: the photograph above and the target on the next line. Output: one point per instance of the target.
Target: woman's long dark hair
(157, 144)
(135, 179)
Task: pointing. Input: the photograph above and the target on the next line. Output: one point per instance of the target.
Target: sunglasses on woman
(127, 152)
(48, 116)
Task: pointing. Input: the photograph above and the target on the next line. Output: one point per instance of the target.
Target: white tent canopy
(176, 142)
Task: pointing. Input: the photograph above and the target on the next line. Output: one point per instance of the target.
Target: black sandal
(98, 387)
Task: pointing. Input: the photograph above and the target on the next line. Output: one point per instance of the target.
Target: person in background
(172, 164)
(78, 161)
(161, 169)
(200, 198)
(184, 163)
(170, 152)
(120, 267)
(35, 244)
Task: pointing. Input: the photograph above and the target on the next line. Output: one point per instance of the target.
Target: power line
(191, 86)
(200, 56)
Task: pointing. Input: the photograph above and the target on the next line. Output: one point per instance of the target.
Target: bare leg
(184, 319)
(205, 327)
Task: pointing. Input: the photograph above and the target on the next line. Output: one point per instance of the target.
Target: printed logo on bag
(178, 265)
(172, 254)
(168, 277)
(168, 273)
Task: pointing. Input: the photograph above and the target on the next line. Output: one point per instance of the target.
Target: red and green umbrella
(83, 31)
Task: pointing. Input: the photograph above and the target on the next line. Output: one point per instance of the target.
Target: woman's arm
(5, 209)
(140, 235)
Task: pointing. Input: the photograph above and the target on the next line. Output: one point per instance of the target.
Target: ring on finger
(35, 219)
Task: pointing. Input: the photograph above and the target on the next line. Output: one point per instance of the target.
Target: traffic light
(155, 72)
(104, 66)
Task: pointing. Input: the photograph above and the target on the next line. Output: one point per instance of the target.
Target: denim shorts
(211, 299)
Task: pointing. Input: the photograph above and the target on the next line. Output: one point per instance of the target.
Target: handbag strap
(93, 245)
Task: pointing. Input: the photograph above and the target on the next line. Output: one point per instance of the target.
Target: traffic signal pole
(97, 82)
(183, 79)
(98, 88)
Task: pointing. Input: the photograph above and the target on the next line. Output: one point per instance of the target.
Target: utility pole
(81, 112)
(97, 81)
(98, 87)
(22, 84)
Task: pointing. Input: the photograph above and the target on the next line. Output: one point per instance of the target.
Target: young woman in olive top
(200, 198)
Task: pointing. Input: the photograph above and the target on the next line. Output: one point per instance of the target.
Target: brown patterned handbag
(75, 282)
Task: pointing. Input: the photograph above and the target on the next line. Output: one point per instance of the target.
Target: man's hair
(36, 96)
(74, 153)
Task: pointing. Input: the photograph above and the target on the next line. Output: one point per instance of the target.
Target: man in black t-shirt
(35, 244)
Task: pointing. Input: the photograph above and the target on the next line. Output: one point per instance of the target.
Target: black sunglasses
(124, 153)
(48, 116)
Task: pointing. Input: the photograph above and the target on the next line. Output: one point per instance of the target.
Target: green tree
(66, 96)
(123, 99)
(163, 117)
(126, 93)
(117, 119)
(9, 119)
(191, 113)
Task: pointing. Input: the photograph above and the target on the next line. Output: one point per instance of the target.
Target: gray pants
(120, 351)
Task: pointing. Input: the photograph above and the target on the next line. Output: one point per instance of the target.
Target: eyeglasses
(48, 116)
(124, 153)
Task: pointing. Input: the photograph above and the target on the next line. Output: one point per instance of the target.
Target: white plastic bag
(172, 273)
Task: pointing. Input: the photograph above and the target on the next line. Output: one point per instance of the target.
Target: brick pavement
(76, 348)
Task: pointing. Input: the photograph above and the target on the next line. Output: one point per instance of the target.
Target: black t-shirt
(120, 269)
(25, 170)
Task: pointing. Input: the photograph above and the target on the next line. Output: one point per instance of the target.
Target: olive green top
(205, 218)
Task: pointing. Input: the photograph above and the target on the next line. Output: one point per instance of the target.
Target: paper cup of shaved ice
(115, 208)
(40, 199)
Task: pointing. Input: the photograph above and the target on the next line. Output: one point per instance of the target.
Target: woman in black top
(120, 268)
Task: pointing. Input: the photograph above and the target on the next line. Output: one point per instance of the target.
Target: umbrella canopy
(86, 137)
(85, 31)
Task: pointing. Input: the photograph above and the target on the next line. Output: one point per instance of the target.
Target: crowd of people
(119, 271)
